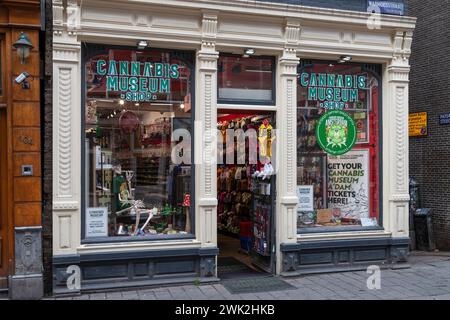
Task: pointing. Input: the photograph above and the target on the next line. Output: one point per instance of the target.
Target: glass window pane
(243, 80)
(134, 102)
(337, 180)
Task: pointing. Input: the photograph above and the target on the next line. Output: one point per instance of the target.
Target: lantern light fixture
(23, 46)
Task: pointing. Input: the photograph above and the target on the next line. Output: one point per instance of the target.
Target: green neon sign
(333, 91)
(138, 81)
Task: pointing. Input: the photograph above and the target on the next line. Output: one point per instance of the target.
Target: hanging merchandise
(129, 121)
(187, 205)
(91, 112)
(265, 137)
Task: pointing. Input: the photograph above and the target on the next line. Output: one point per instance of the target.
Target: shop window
(338, 151)
(246, 80)
(135, 100)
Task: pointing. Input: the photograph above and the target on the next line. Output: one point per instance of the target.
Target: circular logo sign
(336, 132)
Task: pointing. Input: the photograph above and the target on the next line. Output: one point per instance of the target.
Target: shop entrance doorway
(3, 208)
(246, 195)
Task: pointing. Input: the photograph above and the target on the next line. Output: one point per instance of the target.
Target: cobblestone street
(428, 278)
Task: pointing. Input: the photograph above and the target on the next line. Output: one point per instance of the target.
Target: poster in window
(305, 196)
(348, 184)
(96, 222)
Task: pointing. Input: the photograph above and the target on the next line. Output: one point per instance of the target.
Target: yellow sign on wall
(418, 124)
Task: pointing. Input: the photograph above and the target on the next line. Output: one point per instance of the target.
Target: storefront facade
(20, 150)
(116, 102)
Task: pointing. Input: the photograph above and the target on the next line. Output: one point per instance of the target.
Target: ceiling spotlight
(343, 59)
(248, 52)
(137, 104)
(182, 106)
(121, 102)
(142, 44)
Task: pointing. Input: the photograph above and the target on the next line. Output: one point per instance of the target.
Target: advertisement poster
(305, 198)
(418, 124)
(96, 222)
(348, 184)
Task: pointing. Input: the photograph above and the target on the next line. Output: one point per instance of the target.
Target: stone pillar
(205, 137)
(27, 281)
(66, 129)
(286, 213)
(396, 146)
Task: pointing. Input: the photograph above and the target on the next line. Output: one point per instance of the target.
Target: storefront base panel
(343, 255)
(108, 271)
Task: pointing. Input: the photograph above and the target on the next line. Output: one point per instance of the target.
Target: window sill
(336, 229)
(161, 243)
(322, 234)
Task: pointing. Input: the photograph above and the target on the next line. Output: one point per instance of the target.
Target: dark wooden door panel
(3, 191)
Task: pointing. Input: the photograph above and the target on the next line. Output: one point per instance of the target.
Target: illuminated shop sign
(138, 81)
(333, 91)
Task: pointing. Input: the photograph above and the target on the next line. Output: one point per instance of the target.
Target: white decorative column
(396, 143)
(286, 213)
(66, 128)
(205, 135)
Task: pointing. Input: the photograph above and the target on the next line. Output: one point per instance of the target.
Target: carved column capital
(66, 25)
(402, 48)
(289, 62)
(398, 73)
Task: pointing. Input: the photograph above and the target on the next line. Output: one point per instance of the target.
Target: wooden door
(3, 207)
(4, 245)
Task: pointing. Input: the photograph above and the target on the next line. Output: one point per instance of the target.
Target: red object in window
(128, 121)
(187, 200)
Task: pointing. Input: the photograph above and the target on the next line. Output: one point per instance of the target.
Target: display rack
(263, 237)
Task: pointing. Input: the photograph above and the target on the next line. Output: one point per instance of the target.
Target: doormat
(256, 284)
(232, 268)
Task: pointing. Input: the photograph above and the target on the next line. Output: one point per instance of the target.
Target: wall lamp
(23, 46)
(142, 44)
(344, 59)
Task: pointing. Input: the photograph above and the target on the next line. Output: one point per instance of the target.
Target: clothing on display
(244, 208)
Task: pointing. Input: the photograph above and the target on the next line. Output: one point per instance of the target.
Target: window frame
(271, 102)
(88, 50)
(374, 70)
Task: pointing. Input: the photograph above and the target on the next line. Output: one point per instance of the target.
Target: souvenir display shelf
(263, 221)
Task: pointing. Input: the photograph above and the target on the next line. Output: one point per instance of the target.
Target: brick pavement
(428, 278)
